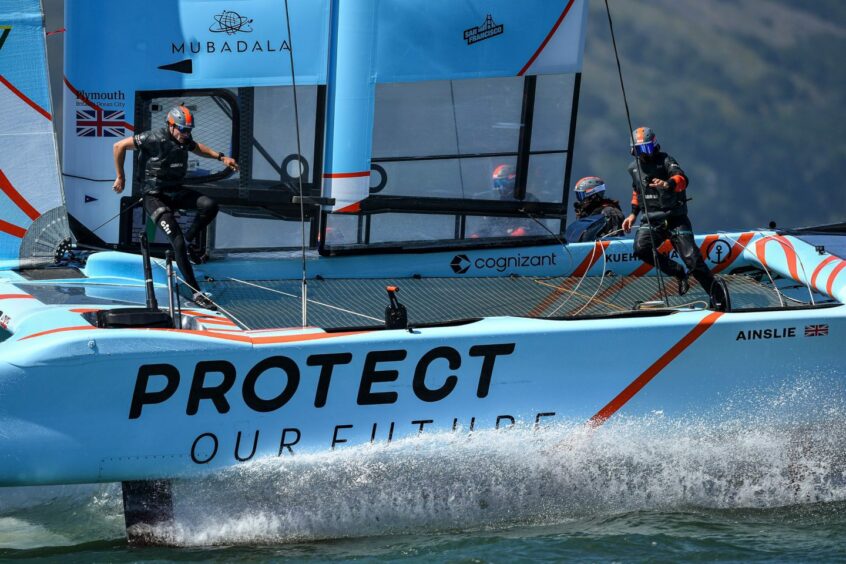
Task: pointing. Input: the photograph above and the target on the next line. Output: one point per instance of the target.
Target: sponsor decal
(274, 381)
(766, 334)
(207, 446)
(4, 33)
(460, 264)
(487, 30)
(100, 97)
(100, 122)
(621, 257)
(229, 23)
(820, 330)
(718, 251)
(212, 47)
(115, 99)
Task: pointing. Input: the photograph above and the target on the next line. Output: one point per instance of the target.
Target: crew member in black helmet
(165, 153)
(663, 183)
(597, 217)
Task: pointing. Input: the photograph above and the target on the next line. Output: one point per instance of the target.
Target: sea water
(644, 488)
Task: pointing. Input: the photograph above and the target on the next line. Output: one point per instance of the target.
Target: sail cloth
(444, 39)
(347, 45)
(32, 216)
(389, 41)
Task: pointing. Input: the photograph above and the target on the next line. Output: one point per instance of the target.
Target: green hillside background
(748, 95)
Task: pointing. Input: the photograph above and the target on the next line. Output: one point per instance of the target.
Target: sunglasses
(583, 195)
(645, 148)
(183, 128)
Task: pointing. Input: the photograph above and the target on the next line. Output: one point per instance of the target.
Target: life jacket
(661, 203)
(164, 162)
(586, 228)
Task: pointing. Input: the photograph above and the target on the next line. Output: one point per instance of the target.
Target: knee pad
(207, 207)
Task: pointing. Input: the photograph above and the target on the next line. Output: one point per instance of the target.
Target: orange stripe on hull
(837, 270)
(58, 330)
(736, 251)
(818, 269)
(632, 389)
(569, 282)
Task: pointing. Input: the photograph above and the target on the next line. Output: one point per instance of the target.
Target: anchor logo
(718, 251)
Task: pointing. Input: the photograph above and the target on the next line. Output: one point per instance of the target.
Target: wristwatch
(220, 156)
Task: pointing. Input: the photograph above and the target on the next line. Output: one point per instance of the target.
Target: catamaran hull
(93, 405)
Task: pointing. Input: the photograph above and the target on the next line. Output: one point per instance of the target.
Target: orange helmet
(644, 141)
(504, 179)
(181, 117)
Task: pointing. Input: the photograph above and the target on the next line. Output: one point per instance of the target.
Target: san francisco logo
(485, 31)
(231, 23)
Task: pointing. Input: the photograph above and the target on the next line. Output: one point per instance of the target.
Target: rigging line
(275, 291)
(197, 290)
(598, 286)
(551, 232)
(798, 259)
(606, 303)
(661, 287)
(806, 283)
(602, 277)
(118, 214)
(601, 280)
(766, 270)
(304, 285)
(574, 290)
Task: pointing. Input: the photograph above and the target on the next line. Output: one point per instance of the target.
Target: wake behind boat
(370, 284)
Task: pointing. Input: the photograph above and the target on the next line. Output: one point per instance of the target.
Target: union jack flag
(816, 330)
(100, 123)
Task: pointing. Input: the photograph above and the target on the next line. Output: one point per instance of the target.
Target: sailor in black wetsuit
(165, 158)
(597, 217)
(659, 178)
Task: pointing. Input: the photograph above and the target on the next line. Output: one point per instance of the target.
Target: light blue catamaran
(373, 172)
